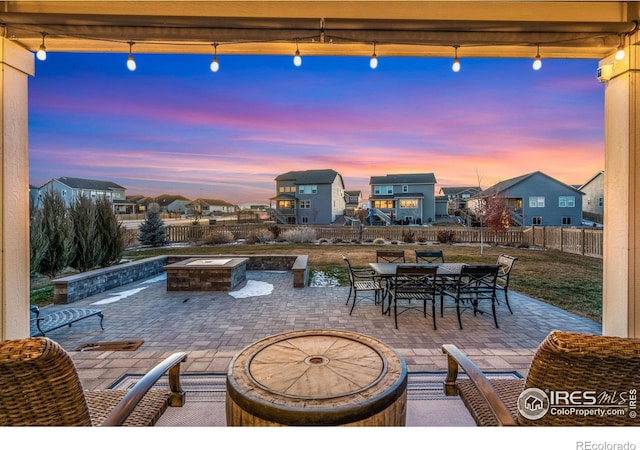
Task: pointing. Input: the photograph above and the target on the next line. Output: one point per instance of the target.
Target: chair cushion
(508, 391)
(146, 413)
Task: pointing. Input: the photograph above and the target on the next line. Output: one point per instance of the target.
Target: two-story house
(536, 199)
(593, 199)
(71, 189)
(352, 200)
(457, 197)
(314, 197)
(403, 198)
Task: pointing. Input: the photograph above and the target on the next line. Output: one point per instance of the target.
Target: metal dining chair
(413, 282)
(476, 283)
(429, 256)
(506, 264)
(390, 256)
(362, 280)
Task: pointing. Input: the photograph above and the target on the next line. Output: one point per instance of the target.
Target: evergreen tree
(37, 240)
(152, 230)
(111, 233)
(88, 249)
(57, 227)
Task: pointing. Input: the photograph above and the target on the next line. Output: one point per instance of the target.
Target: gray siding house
(457, 197)
(536, 199)
(309, 197)
(404, 198)
(593, 199)
(71, 189)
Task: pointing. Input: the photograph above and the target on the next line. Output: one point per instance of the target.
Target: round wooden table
(317, 377)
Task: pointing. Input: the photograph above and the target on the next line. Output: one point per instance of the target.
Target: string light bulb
(456, 62)
(41, 54)
(297, 59)
(131, 64)
(373, 62)
(620, 51)
(215, 66)
(537, 62)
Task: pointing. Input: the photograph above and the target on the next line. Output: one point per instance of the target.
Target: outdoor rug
(205, 394)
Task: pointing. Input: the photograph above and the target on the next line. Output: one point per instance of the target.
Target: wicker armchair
(39, 385)
(601, 372)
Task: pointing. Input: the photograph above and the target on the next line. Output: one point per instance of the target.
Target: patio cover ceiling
(569, 29)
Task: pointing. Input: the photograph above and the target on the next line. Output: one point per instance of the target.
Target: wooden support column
(621, 277)
(17, 65)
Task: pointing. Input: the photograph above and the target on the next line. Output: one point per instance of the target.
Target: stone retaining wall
(76, 287)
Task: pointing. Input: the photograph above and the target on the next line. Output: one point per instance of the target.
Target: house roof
(83, 183)
(404, 178)
(213, 201)
(282, 196)
(456, 190)
(591, 179)
(318, 176)
(353, 193)
(502, 186)
(136, 198)
(167, 199)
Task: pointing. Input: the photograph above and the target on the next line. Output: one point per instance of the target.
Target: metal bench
(59, 319)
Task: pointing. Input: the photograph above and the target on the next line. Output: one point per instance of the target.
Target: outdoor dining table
(448, 274)
(388, 270)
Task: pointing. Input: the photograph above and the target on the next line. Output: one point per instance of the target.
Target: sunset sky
(174, 127)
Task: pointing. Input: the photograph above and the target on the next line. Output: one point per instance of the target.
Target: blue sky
(174, 127)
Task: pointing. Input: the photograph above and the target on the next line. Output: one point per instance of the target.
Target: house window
(566, 221)
(566, 201)
(285, 204)
(405, 188)
(536, 202)
(305, 204)
(304, 220)
(601, 201)
(307, 189)
(409, 203)
(382, 204)
(383, 190)
(536, 220)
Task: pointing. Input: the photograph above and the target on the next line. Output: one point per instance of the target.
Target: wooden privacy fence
(582, 241)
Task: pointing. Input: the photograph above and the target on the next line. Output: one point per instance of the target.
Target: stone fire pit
(206, 274)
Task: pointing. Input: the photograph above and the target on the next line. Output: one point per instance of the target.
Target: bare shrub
(299, 235)
(446, 236)
(130, 237)
(259, 236)
(379, 241)
(218, 237)
(408, 236)
(275, 230)
(421, 238)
